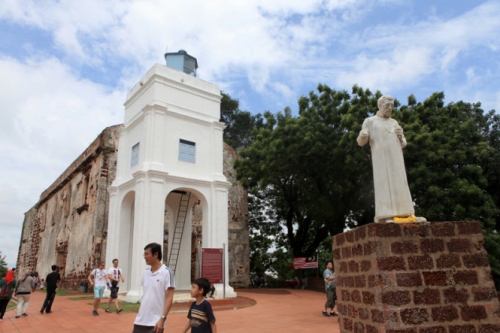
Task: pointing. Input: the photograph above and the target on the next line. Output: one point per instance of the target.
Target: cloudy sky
(66, 66)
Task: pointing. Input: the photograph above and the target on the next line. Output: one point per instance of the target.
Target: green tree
(452, 164)
(310, 169)
(239, 124)
(316, 180)
(3, 265)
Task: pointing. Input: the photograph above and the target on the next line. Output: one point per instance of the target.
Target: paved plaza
(273, 310)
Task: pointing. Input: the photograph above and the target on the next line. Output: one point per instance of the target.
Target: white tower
(170, 157)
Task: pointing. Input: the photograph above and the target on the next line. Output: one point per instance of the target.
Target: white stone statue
(392, 195)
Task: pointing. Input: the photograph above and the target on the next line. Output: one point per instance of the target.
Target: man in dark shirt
(52, 279)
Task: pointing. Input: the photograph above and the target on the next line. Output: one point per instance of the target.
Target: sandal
(107, 310)
(119, 310)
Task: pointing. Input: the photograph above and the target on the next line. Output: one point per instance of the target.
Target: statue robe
(392, 194)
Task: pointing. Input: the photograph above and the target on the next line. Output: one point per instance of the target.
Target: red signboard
(211, 265)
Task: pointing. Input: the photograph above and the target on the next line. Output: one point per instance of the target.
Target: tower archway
(126, 237)
(185, 211)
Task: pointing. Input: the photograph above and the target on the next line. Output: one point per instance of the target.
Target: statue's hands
(398, 130)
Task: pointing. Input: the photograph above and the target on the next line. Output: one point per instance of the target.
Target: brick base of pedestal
(415, 278)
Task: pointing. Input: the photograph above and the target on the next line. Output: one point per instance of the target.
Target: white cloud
(49, 116)
(276, 50)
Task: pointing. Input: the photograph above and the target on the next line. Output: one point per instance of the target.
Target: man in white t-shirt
(158, 293)
(100, 277)
(115, 275)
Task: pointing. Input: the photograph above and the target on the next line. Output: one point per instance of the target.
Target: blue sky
(66, 66)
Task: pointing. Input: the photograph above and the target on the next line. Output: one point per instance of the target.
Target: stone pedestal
(415, 278)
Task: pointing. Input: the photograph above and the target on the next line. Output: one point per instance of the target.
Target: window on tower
(135, 155)
(187, 151)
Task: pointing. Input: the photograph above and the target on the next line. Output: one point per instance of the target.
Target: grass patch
(59, 292)
(127, 307)
(11, 305)
(82, 298)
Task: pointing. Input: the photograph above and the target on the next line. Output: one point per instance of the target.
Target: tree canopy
(3, 265)
(317, 181)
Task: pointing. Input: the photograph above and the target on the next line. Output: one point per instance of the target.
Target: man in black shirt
(52, 279)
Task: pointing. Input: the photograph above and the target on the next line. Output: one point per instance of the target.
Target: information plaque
(211, 265)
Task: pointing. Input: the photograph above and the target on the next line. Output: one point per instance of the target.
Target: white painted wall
(165, 106)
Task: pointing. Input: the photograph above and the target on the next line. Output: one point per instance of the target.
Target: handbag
(5, 293)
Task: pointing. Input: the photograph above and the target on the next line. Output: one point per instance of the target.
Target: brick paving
(275, 310)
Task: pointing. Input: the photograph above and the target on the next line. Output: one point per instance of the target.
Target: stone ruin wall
(239, 237)
(415, 278)
(68, 225)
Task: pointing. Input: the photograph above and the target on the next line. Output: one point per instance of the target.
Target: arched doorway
(126, 237)
(183, 231)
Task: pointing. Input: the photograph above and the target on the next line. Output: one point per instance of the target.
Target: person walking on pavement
(330, 287)
(115, 275)
(100, 277)
(158, 293)
(24, 287)
(52, 279)
(6, 291)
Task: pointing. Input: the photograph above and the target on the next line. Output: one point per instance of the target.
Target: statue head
(385, 106)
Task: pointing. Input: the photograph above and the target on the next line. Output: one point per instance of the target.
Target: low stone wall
(415, 278)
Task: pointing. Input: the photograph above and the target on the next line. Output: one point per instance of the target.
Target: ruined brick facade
(68, 225)
(239, 238)
(415, 278)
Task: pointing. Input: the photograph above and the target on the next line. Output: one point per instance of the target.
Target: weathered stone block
(476, 312)
(427, 296)
(444, 313)
(484, 294)
(356, 296)
(359, 234)
(346, 252)
(462, 329)
(370, 247)
(404, 247)
(352, 311)
(434, 329)
(349, 236)
(451, 295)
(420, 262)
(489, 328)
(368, 298)
(359, 327)
(431, 245)
(382, 317)
(414, 316)
(353, 266)
(466, 277)
(347, 324)
(476, 260)
(415, 229)
(360, 281)
(459, 245)
(393, 263)
(396, 298)
(448, 261)
(408, 279)
(357, 250)
(384, 230)
(434, 278)
(366, 265)
(444, 229)
(469, 228)
(363, 313)
(379, 280)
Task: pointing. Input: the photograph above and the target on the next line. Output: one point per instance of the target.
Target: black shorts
(114, 292)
